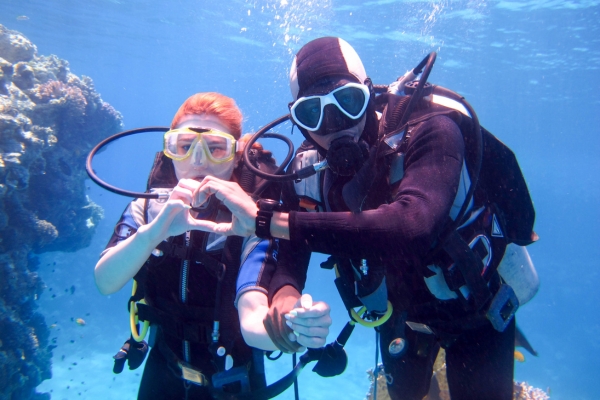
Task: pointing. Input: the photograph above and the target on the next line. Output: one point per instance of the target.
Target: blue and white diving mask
(350, 99)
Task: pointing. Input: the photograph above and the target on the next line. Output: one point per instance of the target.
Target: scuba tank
(518, 271)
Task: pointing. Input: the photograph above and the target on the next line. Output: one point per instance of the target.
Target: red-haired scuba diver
(193, 281)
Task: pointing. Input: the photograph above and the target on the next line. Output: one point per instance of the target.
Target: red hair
(215, 104)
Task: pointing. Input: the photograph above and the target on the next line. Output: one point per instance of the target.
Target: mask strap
(239, 145)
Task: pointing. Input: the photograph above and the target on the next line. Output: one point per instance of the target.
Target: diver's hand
(309, 321)
(174, 218)
(242, 207)
(281, 334)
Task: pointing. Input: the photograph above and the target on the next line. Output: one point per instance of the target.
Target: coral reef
(49, 120)
(522, 391)
(439, 384)
(382, 381)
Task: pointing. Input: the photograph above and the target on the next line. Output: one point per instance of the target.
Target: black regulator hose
(380, 89)
(110, 188)
(143, 195)
(279, 170)
(262, 133)
(425, 65)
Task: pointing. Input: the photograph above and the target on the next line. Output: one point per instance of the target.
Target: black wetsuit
(398, 233)
(192, 319)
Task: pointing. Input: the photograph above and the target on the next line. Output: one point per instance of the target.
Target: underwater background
(529, 68)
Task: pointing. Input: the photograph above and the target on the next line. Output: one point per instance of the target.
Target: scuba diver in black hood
(417, 207)
(188, 283)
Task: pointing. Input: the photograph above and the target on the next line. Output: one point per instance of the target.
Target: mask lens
(351, 99)
(178, 145)
(217, 147)
(308, 112)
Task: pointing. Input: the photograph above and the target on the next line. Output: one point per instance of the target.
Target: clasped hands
(175, 218)
(304, 325)
(243, 208)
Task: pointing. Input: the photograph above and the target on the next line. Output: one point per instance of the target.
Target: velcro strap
(214, 266)
(470, 267)
(173, 250)
(193, 332)
(454, 278)
(346, 291)
(187, 253)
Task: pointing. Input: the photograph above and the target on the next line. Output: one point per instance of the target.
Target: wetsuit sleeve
(405, 228)
(259, 261)
(292, 261)
(292, 267)
(130, 221)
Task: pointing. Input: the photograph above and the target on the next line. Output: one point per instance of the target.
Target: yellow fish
(80, 321)
(519, 356)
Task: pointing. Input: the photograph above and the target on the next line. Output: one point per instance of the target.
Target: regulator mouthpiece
(345, 156)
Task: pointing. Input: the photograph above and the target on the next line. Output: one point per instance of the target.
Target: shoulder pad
(448, 103)
(309, 187)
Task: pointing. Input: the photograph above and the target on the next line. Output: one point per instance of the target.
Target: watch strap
(263, 224)
(263, 217)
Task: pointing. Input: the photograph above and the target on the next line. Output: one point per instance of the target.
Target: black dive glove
(132, 351)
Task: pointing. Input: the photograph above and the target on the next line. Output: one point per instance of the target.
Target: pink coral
(54, 90)
(60, 102)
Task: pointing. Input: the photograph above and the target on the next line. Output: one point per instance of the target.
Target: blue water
(529, 68)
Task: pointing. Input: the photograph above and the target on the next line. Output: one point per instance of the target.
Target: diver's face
(354, 132)
(198, 165)
(334, 125)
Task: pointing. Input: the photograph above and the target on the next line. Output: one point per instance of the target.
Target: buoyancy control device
(191, 325)
(494, 211)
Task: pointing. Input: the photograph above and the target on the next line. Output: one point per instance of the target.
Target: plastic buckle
(194, 376)
(238, 374)
(504, 306)
(418, 327)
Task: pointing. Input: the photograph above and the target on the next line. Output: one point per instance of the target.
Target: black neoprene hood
(327, 57)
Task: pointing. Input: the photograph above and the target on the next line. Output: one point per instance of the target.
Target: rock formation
(49, 121)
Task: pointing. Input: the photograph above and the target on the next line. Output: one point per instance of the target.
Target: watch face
(268, 204)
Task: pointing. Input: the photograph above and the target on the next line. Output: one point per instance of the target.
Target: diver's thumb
(305, 301)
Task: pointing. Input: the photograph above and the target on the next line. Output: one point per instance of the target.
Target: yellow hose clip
(356, 315)
(133, 318)
(372, 324)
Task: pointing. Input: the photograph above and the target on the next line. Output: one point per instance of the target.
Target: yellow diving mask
(218, 147)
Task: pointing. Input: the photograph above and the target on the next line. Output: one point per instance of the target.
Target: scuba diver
(188, 283)
(421, 210)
